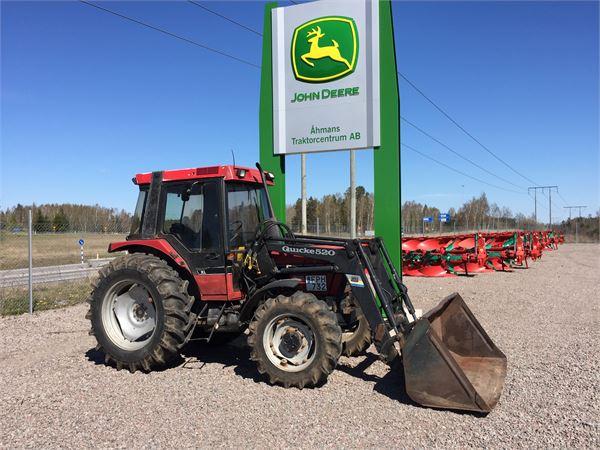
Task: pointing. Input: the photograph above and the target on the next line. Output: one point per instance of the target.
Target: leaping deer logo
(316, 52)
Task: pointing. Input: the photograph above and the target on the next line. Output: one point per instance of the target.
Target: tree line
(328, 215)
(64, 217)
(331, 214)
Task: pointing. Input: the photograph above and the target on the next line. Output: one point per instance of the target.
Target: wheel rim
(129, 315)
(289, 343)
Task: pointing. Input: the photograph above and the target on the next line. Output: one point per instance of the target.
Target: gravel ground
(54, 390)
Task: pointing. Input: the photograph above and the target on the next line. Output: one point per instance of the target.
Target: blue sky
(89, 99)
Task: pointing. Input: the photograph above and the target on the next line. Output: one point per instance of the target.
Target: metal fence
(48, 269)
(410, 229)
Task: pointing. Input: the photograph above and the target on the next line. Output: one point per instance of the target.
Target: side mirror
(185, 195)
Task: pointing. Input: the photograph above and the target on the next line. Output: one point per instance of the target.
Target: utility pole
(303, 191)
(580, 207)
(535, 189)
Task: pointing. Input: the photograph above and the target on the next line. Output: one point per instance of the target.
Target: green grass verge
(15, 300)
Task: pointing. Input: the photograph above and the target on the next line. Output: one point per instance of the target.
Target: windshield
(247, 207)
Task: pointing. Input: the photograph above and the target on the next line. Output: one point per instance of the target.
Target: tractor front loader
(206, 256)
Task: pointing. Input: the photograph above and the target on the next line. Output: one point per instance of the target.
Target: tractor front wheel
(140, 312)
(356, 340)
(296, 341)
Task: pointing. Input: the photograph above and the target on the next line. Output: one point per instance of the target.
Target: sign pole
(352, 194)
(269, 161)
(386, 158)
(30, 254)
(303, 191)
(81, 242)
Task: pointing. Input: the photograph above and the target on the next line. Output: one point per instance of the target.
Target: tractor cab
(206, 217)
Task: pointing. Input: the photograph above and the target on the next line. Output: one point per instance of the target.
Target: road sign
(326, 76)
(428, 219)
(81, 242)
(444, 217)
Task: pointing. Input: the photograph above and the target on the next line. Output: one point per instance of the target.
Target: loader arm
(375, 283)
(448, 359)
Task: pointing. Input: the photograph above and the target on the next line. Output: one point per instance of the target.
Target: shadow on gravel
(234, 353)
(97, 357)
(391, 384)
(237, 354)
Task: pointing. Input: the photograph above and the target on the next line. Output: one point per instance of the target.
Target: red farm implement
(451, 255)
(442, 256)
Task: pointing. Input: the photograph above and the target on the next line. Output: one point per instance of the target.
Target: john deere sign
(324, 49)
(325, 76)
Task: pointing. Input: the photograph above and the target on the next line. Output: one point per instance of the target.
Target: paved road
(66, 272)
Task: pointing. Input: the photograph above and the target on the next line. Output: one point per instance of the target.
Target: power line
(410, 123)
(225, 17)
(580, 207)
(211, 49)
(463, 129)
(562, 198)
(535, 189)
(458, 171)
(457, 153)
(168, 33)
(552, 200)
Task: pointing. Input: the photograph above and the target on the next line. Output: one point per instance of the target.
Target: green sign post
(269, 161)
(386, 155)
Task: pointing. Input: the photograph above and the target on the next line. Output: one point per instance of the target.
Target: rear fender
(163, 250)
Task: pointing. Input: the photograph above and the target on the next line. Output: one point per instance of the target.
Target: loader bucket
(450, 361)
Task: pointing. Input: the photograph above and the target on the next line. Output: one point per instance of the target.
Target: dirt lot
(54, 390)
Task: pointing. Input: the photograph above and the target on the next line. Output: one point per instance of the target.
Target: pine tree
(41, 223)
(60, 223)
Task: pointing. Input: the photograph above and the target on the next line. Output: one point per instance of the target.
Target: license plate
(316, 283)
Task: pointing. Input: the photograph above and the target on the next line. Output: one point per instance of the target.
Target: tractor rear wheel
(140, 312)
(296, 341)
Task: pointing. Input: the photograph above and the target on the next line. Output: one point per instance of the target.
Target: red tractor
(206, 257)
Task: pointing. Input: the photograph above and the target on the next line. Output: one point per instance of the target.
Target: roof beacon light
(270, 176)
(241, 173)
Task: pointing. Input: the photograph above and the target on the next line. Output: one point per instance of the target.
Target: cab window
(192, 215)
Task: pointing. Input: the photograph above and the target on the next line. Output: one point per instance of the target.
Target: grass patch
(15, 300)
(50, 249)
